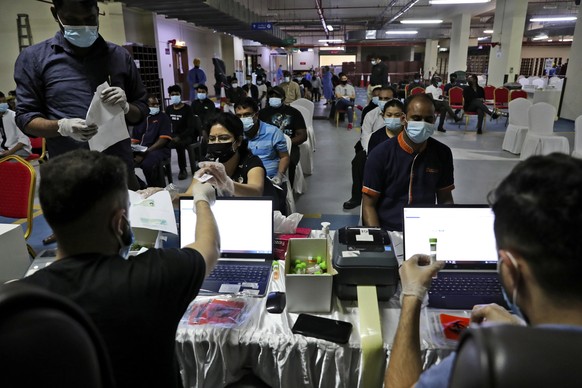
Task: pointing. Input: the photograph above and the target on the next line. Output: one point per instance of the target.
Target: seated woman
(393, 114)
(474, 96)
(234, 169)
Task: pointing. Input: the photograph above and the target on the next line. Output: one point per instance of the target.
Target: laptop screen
(460, 235)
(245, 226)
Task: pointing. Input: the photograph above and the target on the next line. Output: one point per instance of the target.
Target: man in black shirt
(136, 302)
(379, 74)
(250, 89)
(202, 106)
(183, 129)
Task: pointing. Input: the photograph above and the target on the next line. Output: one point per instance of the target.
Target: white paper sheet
(155, 212)
(110, 120)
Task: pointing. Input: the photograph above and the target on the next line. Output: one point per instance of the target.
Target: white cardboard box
(308, 293)
(14, 260)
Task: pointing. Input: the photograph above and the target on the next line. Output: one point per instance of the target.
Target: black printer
(364, 256)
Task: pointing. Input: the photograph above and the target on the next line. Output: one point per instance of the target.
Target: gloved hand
(77, 129)
(220, 180)
(203, 192)
(278, 179)
(114, 95)
(416, 275)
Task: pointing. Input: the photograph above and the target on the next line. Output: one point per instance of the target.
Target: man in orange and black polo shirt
(411, 169)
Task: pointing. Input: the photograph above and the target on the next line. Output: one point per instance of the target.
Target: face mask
(374, 63)
(275, 102)
(419, 131)
(234, 86)
(125, 240)
(201, 96)
(439, 84)
(381, 104)
(392, 123)
(248, 123)
(343, 82)
(154, 110)
(248, 82)
(287, 79)
(376, 100)
(511, 303)
(80, 36)
(175, 100)
(259, 82)
(3, 107)
(417, 80)
(219, 152)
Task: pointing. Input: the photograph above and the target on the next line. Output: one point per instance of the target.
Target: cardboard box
(308, 293)
(282, 240)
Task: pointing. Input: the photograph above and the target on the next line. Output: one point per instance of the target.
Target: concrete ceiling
(349, 19)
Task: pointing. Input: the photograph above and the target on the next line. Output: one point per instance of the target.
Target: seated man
(453, 82)
(234, 95)
(416, 82)
(411, 169)
(135, 302)
(440, 102)
(155, 134)
(287, 119)
(250, 89)
(345, 95)
(262, 87)
(12, 140)
(202, 106)
(375, 92)
(540, 278)
(291, 88)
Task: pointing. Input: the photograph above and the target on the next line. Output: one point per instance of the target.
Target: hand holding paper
(115, 96)
(77, 129)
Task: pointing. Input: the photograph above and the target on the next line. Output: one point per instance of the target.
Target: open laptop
(246, 244)
(463, 237)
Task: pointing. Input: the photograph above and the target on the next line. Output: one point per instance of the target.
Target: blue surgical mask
(419, 131)
(392, 123)
(375, 100)
(439, 84)
(381, 104)
(154, 110)
(234, 86)
(3, 107)
(275, 102)
(201, 96)
(511, 303)
(175, 100)
(248, 123)
(80, 36)
(287, 79)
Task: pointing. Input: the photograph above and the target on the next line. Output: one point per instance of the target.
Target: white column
(411, 53)
(460, 32)
(508, 28)
(572, 101)
(430, 57)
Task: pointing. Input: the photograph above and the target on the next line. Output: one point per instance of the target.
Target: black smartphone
(323, 328)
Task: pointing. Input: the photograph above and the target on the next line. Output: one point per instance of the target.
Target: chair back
(541, 118)
(489, 90)
(538, 83)
(47, 341)
(416, 90)
(503, 356)
(304, 102)
(524, 81)
(518, 111)
(38, 144)
(456, 96)
(517, 94)
(406, 87)
(17, 185)
(305, 112)
(578, 135)
(501, 97)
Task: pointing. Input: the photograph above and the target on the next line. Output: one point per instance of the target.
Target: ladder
(24, 33)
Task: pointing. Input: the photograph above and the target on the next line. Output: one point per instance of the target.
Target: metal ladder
(24, 33)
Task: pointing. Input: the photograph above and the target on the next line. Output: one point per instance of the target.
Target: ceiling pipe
(402, 11)
(319, 7)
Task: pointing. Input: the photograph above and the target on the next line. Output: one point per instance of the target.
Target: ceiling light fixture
(553, 19)
(540, 37)
(439, 2)
(483, 38)
(402, 11)
(401, 32)
(331, 41)
(330, 28)
(421, 21)
(488, 31)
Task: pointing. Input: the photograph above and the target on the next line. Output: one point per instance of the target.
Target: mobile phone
(322, 328)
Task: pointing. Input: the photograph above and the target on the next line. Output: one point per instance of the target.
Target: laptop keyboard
(240, 273)
(466, 285)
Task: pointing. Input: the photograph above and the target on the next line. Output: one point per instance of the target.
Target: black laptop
(246, 244)
(462, 236)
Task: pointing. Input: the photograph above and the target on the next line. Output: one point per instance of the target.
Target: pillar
(430, 57)
(572, 101)
(460, 31)
(508, 29)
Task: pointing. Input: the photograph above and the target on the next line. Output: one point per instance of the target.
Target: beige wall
(139, 26)
(545, 52)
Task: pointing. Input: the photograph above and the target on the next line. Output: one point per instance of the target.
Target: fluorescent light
(488, 32)
(540, 37)
(330, 28)
(458, 1)
(401, 32)
(421, 21)
(483, 38)
(332, 48)
(566, 40)
(331, 41)
(553, 19)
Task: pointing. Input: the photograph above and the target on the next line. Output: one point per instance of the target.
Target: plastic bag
(286, 225)
(223, 311)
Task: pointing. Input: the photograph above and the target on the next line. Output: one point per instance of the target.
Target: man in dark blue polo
(410, 169)
(56, 80)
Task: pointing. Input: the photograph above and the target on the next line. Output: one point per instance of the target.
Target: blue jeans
(348, 106)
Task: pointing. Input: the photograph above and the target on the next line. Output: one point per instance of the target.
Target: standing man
(259, 71)
(56, 80)
(136, 302)
(280, 74)
(196, 77)
(291, 88)
(287, 119)
(379, 74)
(183, 130)
(262, 87)
(345, 94)
(411, 169)
(12, 140)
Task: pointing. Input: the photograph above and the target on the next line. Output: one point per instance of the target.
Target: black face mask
(343, 82)
(219, 152)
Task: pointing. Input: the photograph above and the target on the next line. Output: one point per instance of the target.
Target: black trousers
(293, 161)
(477, 105)
(358, 164)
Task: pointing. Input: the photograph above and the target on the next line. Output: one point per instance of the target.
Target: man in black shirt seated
(136, 302)
(202, 106)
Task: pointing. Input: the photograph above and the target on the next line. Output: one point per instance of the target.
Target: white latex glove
(77, 129)
(114, 95)
(219, 179)
(203, 192)
(416, 275)
(278, 179)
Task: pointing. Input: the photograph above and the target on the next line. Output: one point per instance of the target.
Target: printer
(364, 256)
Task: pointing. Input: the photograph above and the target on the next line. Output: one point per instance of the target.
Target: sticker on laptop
(229, 288)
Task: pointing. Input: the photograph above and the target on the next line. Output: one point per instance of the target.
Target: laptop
(462, 236)
(246, 244)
